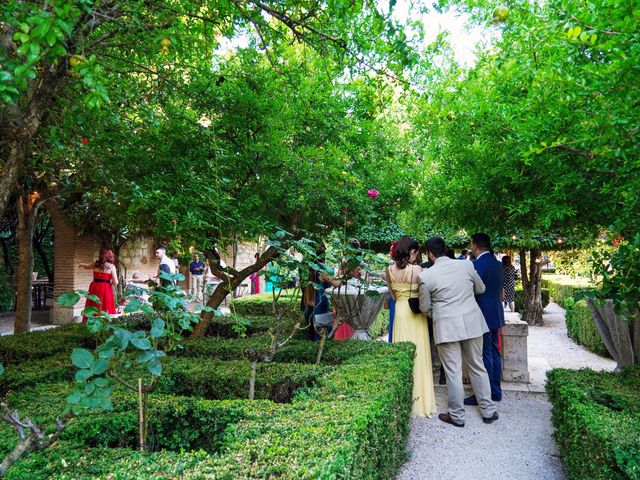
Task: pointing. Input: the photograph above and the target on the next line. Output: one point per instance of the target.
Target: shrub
(544, 293)
(31, 346)
(201, 377)
(33, 372)
(562, 287)
(597, 421)
(261, 305)
(352, 423)
(380, 325)
(582, 328)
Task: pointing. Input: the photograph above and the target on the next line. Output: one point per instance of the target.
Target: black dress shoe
(446, 418)
(490, 419)
(472, 400)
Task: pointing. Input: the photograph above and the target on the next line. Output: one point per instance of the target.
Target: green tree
(128, 60)
(539, 138)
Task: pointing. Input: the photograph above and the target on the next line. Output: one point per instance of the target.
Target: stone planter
(621, 336)
(515, 361)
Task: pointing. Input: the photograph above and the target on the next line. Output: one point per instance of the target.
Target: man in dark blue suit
(490, 271)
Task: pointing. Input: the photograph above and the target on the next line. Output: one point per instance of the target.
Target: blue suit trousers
(492, 361)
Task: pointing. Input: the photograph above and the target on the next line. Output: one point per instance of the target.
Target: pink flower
(373, 193)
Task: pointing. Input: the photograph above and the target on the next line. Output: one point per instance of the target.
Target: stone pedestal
(515, 365)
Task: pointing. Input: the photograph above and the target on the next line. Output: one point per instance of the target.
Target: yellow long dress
(412, 327)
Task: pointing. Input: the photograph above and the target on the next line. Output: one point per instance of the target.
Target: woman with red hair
(105, 277)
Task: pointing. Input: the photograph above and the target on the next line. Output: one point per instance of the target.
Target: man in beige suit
(447, 292)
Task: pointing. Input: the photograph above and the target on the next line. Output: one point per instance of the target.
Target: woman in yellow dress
(402, 279)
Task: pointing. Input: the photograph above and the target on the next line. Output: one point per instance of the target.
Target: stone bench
(515, 364)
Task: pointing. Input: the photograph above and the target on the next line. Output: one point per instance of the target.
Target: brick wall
(137, 255)
(71, 249)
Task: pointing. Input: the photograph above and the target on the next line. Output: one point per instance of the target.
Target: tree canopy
(538, 139)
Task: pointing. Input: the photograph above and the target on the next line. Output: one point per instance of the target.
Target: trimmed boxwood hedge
(562, 287)
(42, 344)
(352, 423)
(208, 378)
(581, 327)
(260, 305)
(597, 421)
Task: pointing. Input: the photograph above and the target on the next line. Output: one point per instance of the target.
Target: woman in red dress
(105, 277)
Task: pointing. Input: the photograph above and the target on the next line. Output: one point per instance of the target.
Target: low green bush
(261, 305)
(351, 423)
(582, 328)
(56, 368)
(543, 292)
(597, 421)
(562, 287)
(31, 346)
(219, 380)
(175, 422)
(208, 378)
(380, 325)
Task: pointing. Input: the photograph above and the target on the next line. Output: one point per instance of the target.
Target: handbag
(323, 319)
(414, 303)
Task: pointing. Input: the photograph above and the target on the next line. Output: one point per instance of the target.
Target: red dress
(344, 332)
(101, 288)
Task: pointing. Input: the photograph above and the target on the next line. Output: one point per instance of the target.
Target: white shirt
(168, 262)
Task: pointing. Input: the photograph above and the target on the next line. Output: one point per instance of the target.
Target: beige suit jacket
(447, 294)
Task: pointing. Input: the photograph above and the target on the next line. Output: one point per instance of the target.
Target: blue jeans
(492, 361)
(392, 311)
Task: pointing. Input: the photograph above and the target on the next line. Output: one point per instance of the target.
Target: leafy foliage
(582, 328)
(122, 348)
(344, 418)
(597, 422)
(620, 275)
(537, 138)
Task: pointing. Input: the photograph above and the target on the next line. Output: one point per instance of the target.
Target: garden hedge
(562, 287)
(349, 419)
(581, 327)
(41, 344)
(208, 378)
(597, 421)
(261, 305)
(544, 293)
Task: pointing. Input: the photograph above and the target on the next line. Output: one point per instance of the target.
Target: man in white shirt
(167, 265)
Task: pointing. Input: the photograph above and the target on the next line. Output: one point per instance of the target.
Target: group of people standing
(464, 301)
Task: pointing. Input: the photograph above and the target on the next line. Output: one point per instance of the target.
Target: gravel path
(521, 441)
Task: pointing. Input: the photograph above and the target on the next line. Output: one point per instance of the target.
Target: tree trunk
(532, 290)
(252, 380)
(11, 170)
(231, 278)
(219, 294)
(27, 206)
(523, 268)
